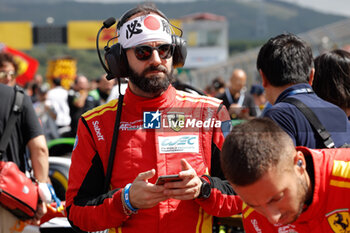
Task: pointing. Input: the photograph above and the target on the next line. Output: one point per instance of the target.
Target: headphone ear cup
(180, 51)
(117, 62)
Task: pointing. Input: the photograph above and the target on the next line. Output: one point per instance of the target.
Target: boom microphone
(109, 22)
(106, 24)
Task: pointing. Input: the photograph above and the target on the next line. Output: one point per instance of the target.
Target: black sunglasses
(144, 52)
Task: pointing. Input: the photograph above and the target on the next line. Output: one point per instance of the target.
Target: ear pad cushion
(117, 61)
(180, 52)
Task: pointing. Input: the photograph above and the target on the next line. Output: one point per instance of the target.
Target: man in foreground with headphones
(162, 132)
(283, 188)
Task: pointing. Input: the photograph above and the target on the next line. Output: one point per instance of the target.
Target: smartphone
(167, 178)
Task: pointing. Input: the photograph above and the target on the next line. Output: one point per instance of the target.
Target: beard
(155, 83)
(303, 195)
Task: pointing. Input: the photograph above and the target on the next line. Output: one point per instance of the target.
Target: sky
(341, 7)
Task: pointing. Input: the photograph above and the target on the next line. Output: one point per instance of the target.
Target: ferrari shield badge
(176, 120)
(339, 220)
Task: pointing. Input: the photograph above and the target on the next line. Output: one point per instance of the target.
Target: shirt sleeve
(88, 207)
(222, 201)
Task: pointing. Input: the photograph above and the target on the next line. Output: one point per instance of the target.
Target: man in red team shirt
(283, 188)
(162, 131)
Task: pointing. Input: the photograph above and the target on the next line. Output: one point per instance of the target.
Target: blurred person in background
(217, 87)
(77, 95)
(285, 64)
(332, 78)
(35, 86)
(46, 113)
(239, 103)
(258, 93)
(8, 69)
(26, 133)
(94, 83)
(115, 90)
(99, 95)
(58, 96)
(182, 86)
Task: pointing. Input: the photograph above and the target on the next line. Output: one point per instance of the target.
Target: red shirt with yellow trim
(154, 134)
(330, 207)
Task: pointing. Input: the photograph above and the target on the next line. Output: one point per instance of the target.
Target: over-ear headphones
(300, 163)
(115, 56)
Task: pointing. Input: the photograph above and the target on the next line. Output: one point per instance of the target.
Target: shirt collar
(287, 92)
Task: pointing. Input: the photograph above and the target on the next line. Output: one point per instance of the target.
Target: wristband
(125, 208)
(126, 198)
(45, 193)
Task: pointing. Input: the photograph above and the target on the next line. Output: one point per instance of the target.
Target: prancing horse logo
(339, 221)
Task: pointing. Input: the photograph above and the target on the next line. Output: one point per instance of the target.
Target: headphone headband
(115, 56)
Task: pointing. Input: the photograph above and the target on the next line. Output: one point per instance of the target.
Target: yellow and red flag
(27, 66)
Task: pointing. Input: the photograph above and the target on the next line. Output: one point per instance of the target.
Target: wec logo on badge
(179, 144)
(151, 120)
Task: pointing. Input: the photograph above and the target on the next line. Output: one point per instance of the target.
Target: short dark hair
(252, 148)
(145, 8)
(332, 77)
(56, 81)
(285, 59)
(8, 58)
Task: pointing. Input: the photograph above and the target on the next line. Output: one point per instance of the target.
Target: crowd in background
(59, 109)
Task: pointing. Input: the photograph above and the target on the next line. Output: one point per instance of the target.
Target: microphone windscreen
(109, 22)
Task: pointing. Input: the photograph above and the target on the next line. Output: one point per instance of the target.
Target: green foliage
(87, 60)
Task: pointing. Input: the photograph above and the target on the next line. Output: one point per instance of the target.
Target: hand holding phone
(167, 178)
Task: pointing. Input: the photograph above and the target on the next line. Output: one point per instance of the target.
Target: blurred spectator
(26, 134)
(94, 83)
(332, 78)
(8, 69)
(217, 87)
(59, 99)
(258, 93)
(76, 100)
(115, 90)
(179, 85)
(285, 64)
(239, 103)
(46, 113)
(35, 86)
(99, 95)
